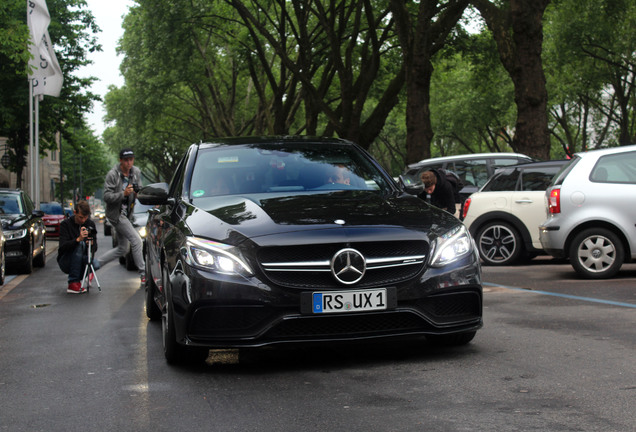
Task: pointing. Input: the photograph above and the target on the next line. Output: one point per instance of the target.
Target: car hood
(14, 221)
(232, 219)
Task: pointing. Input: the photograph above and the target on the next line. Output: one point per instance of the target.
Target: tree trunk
(421, 35)
(419, 131)
(518, 31)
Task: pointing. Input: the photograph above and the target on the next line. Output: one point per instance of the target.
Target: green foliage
(590, 53)
(85, 162)
(472, 99)
(72, 30)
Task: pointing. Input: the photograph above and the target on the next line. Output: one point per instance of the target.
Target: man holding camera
(120, 190)
(76, 233)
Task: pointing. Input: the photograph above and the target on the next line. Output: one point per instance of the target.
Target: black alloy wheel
(499, 243)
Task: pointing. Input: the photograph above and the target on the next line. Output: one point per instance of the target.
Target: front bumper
(219, 312)
(17, 250)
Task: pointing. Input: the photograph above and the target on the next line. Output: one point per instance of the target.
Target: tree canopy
(73, 33)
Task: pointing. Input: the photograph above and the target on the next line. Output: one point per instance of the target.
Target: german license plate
(349, 301)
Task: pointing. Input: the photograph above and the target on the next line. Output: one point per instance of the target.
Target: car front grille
(309, 266)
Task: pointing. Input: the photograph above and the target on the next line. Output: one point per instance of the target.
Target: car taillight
(554, 201)
(465, 209)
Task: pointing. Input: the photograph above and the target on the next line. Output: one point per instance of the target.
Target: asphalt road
(556, 354)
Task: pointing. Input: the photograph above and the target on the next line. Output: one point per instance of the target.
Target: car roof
(470, 156)
(539, 164)
(15, 191)
(281, 139)
(609, 150)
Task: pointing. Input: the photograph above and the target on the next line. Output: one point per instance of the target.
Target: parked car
(256, 242)
(3, 259)
(474, 170)
(108, 228)
(140, 217)
(24, 231)
(504, 216)
(591, 212)
(53, 217)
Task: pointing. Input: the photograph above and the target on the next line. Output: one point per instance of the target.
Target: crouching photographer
(72, 253)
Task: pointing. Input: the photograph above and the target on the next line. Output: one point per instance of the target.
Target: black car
(264, 241)
(24, 231)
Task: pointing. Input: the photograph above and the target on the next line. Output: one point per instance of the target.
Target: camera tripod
(86, 281)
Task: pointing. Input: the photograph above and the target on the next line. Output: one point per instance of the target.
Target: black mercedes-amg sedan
(281, 240)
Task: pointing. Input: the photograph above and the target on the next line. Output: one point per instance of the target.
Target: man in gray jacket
(119, 195)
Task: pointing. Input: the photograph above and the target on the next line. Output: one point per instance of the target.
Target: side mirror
(410, 187)
(154, 194)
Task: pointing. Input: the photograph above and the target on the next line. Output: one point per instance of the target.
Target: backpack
(455, 182)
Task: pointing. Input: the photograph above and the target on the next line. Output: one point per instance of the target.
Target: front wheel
(40, 260)
(152, 310)
(596, 253)
(174, 352)
(499, 243)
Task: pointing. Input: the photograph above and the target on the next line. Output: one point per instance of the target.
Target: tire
(499, 243)
(27, 266)
(152, 310)
(174, 352)
(596, 253)
(40, 260)
(3, 267)
(456, 339)
(129, 262)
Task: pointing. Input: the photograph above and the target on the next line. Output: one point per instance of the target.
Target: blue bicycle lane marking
(568, 296)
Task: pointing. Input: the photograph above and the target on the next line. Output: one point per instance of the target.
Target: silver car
(591, 207)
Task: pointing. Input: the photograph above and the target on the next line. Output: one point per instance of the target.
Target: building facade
(49, 174)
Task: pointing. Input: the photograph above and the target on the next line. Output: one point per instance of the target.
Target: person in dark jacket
(440, 191)
(72, 252)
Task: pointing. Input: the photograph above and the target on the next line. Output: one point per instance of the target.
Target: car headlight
(142, 232)
(15, 234)
(452, 246)
(215, 256)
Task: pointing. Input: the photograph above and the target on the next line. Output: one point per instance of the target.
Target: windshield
(51, 208)
(10, 204)
(249, 169)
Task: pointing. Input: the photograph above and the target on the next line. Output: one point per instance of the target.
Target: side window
(618, 168)
(504, 162)
(503, 181)
(472, 172)
(537, 179)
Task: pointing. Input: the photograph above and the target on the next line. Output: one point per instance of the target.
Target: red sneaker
(75, 288)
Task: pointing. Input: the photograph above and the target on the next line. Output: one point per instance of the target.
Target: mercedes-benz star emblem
(348, 266)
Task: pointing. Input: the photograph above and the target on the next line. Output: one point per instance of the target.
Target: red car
(53, 216)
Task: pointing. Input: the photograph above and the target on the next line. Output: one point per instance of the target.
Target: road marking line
(568, 296)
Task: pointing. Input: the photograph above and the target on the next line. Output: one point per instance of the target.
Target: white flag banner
(46, 75)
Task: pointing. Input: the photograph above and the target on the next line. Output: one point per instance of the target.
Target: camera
(90, 230)
(135, 187)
